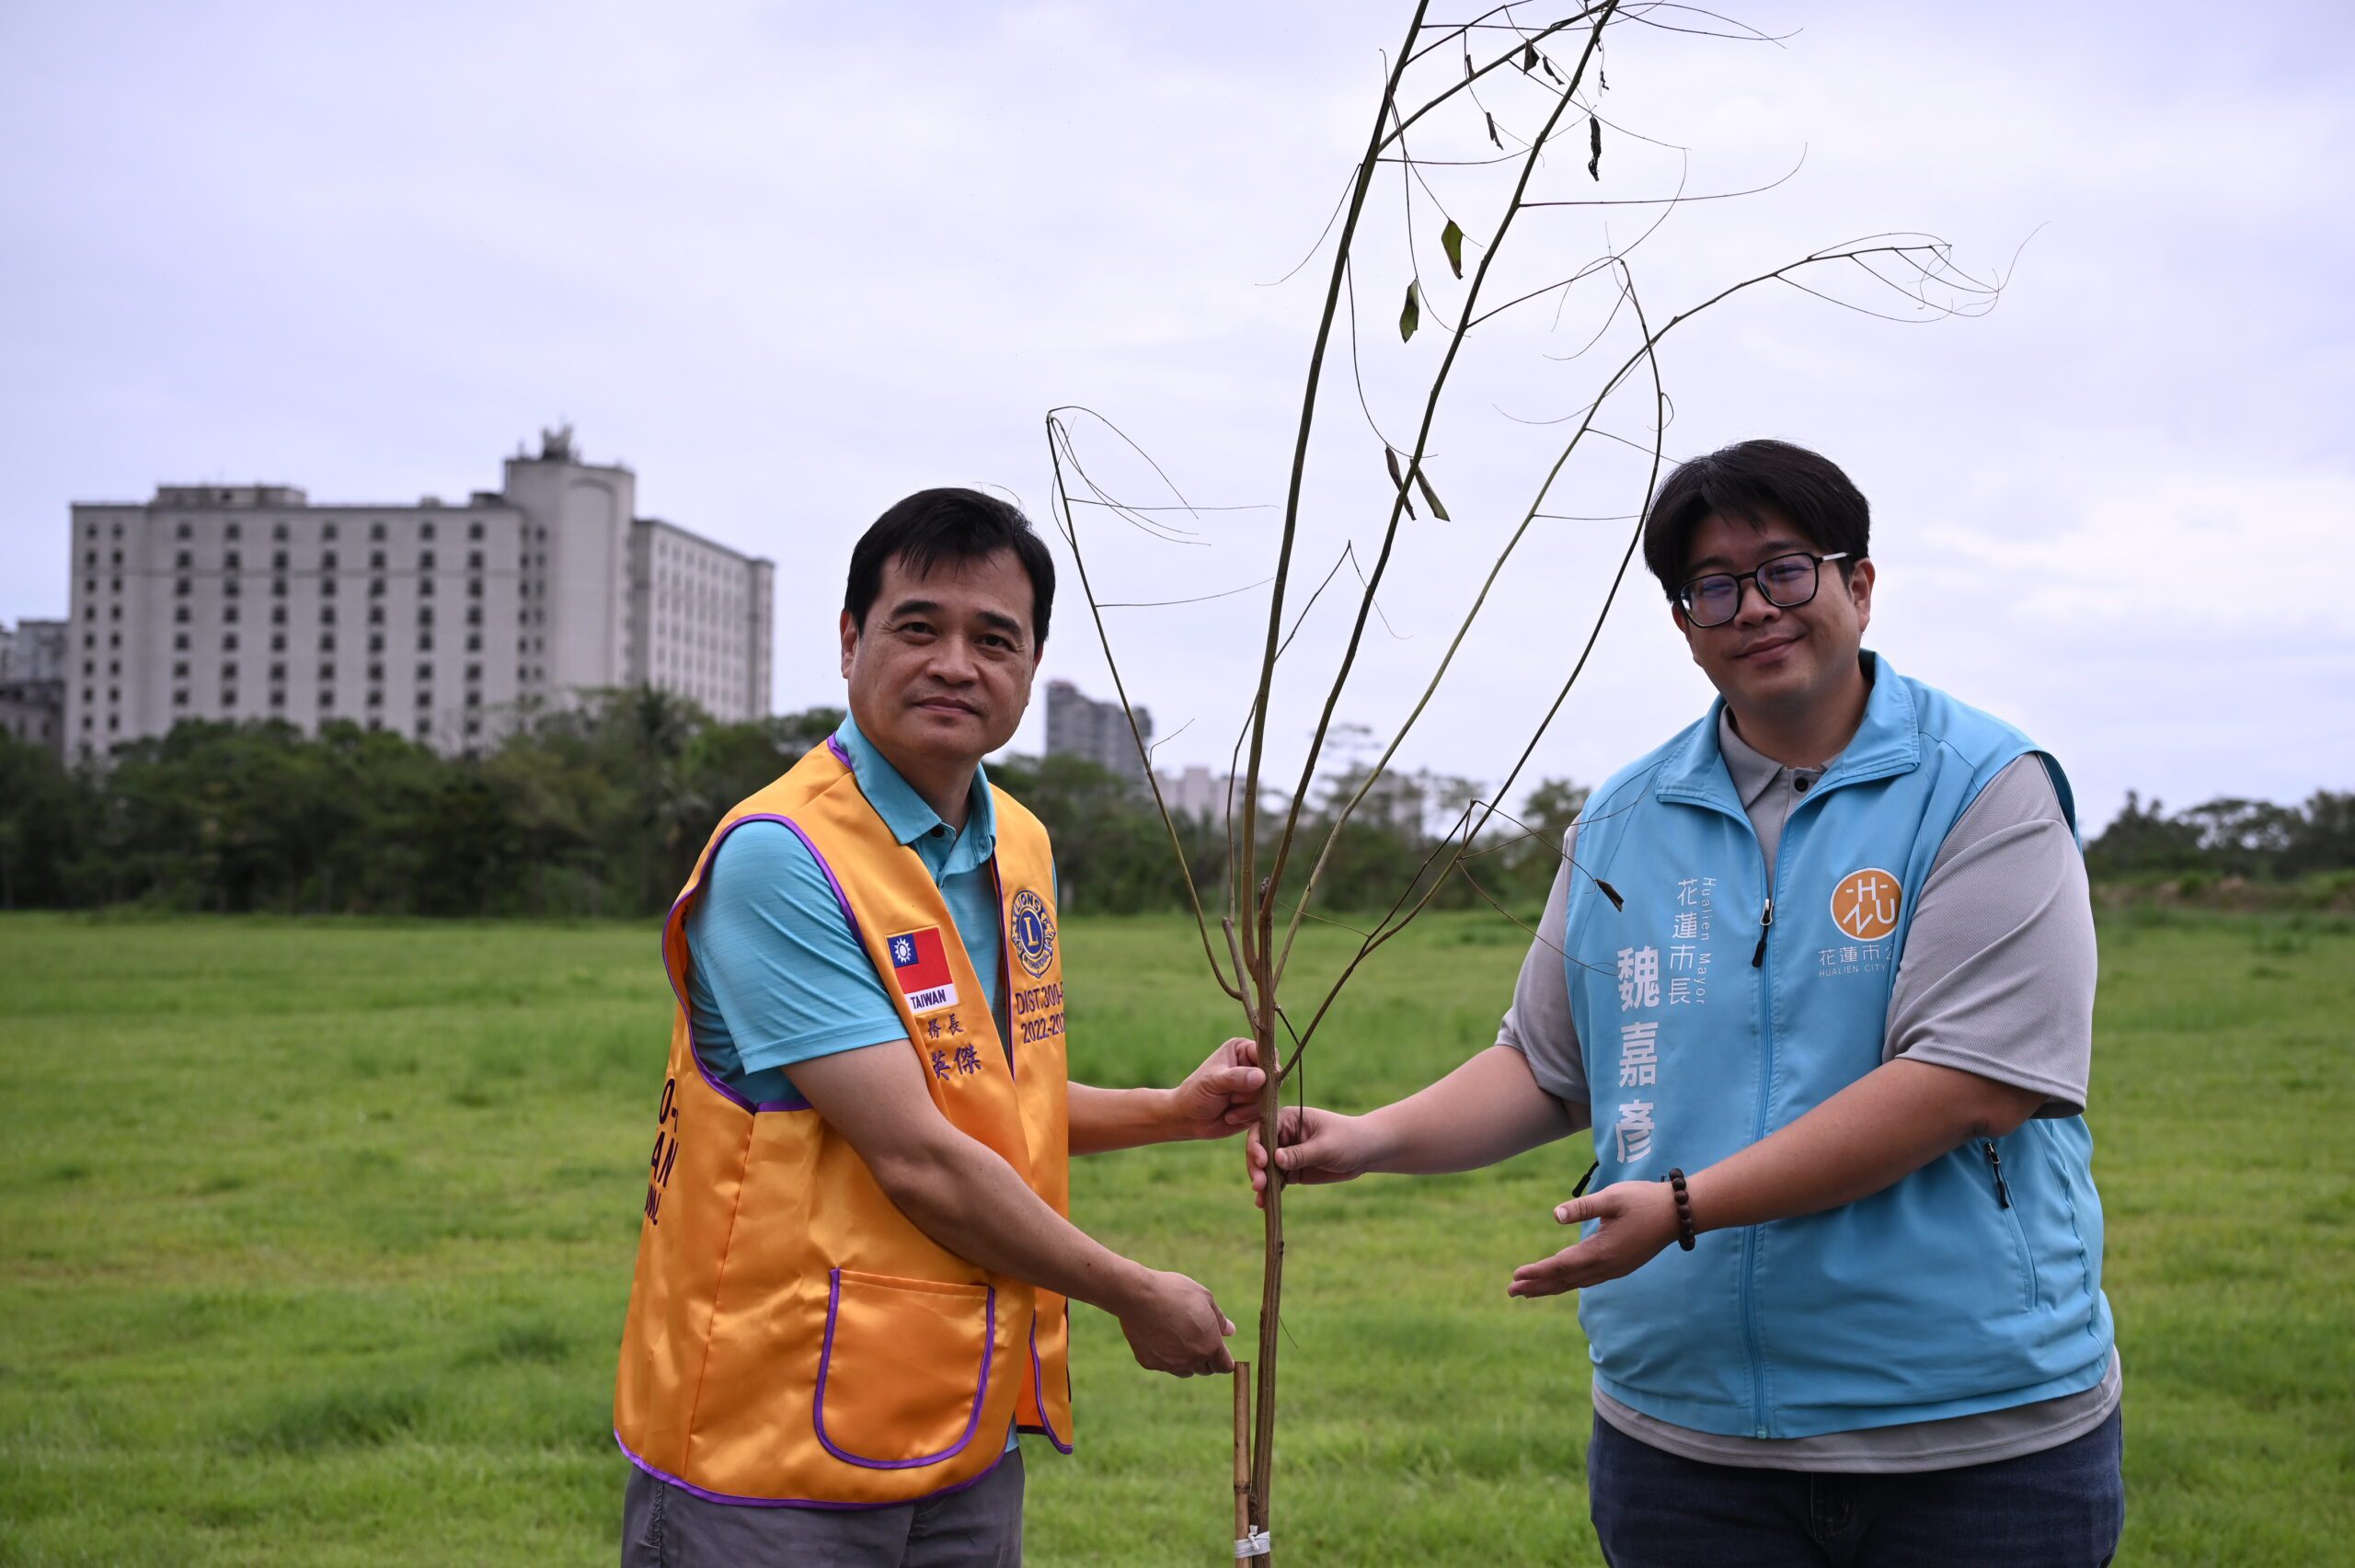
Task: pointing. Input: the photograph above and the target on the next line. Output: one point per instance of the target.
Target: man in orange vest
(852, 1278)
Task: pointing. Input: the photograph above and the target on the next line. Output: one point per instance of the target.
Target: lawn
(314, 1239)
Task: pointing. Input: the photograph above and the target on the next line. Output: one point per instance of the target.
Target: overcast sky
(790, 262)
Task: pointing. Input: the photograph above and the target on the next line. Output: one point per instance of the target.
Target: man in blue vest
(1821, 977)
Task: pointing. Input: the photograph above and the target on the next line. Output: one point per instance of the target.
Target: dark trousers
(666, 1527)
(2060, 1508)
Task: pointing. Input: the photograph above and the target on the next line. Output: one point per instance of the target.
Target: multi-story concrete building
(440, 621)
(32, 682)
(1078, 725)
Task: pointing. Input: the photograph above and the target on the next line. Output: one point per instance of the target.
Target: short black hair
(1751, 480)
(952, 526)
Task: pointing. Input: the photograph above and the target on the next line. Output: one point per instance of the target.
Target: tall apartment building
(32, 682)
(1078, 725)
(440, 621)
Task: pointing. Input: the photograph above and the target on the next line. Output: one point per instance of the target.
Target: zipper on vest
(1766, 924)
(1996, 1167)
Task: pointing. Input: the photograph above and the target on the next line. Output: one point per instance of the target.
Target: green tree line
(601, 811)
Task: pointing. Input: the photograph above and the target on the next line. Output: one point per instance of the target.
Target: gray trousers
(666, 1527)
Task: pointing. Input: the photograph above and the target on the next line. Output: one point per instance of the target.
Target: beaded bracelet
(1683, 1207)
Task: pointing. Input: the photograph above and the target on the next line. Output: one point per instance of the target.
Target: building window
(229, 562)
(424, 674)
(228, 696)
(425, 588)
(327, 642)
(182, 588)
(474, 726)
(326, 614)
(328, 534)
(277, 671)
(375, 615)
(474, 614)
(474, 588)
(229, 614)
(327, 560)
(179, 615)
(278, 642)
(279, 533)
(113, 723)
(278, 557)
(376, 533)
(474, 698)
(182, 560)
(424, 728)
(179, 641)
(230, 532)
(375, 699)
(278, 614)
(375, 560)
(277, 698)
(228, 642)
(474, 530)
(425, 642)
(230, 587)
(425, 557)
(278, 587)
(375, 588)
(474, 560)
(375, 642)
(327, 674)
(375, 672)
(474, 642)
(179, 670)
(474, 672)
(425, 531)
(180, 698)
(182, 531)
(326, 588)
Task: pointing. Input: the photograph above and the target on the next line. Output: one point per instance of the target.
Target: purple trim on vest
(735, 1502)
(840, 755)
(980, 1396)
(1038, 1380)
(692, 890)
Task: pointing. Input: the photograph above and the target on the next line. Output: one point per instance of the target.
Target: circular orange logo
(1865, 905)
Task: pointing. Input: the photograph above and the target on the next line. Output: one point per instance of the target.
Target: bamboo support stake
(1242, 1451)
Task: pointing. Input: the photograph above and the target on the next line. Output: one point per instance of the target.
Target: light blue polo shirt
(775, 976)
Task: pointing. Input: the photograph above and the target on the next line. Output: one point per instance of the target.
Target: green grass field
(314, 1240)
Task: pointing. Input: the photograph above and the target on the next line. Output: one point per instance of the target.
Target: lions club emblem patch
(1034, 933)
(1866, 903)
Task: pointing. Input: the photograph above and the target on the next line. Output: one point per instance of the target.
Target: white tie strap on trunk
(1256, 1544)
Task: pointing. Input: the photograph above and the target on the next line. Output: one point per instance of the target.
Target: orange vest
(824, 1352)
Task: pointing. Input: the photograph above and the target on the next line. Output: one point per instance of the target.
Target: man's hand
(1639, 1219)
(1220, 1097)
(1174, 1326)
(1312, 1146)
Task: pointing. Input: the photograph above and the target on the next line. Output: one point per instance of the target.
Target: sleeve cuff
(808, 1047)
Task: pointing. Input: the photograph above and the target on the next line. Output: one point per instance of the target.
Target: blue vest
(1706, 1023)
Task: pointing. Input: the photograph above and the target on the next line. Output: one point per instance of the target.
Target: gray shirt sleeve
(1999, 967)
(1538, 1023)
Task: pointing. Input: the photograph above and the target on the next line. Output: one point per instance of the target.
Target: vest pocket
(904, 1370)
(2012, 1213)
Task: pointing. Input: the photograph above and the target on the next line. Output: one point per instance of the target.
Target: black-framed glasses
(1785, 582)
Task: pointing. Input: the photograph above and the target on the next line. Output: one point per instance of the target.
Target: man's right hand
(1312, 1146)
(1174, 1326)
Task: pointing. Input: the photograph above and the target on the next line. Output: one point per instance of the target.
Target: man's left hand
(1220, 1097)
(1639, 1219)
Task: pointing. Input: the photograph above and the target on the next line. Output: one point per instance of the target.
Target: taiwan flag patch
(920, 963)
